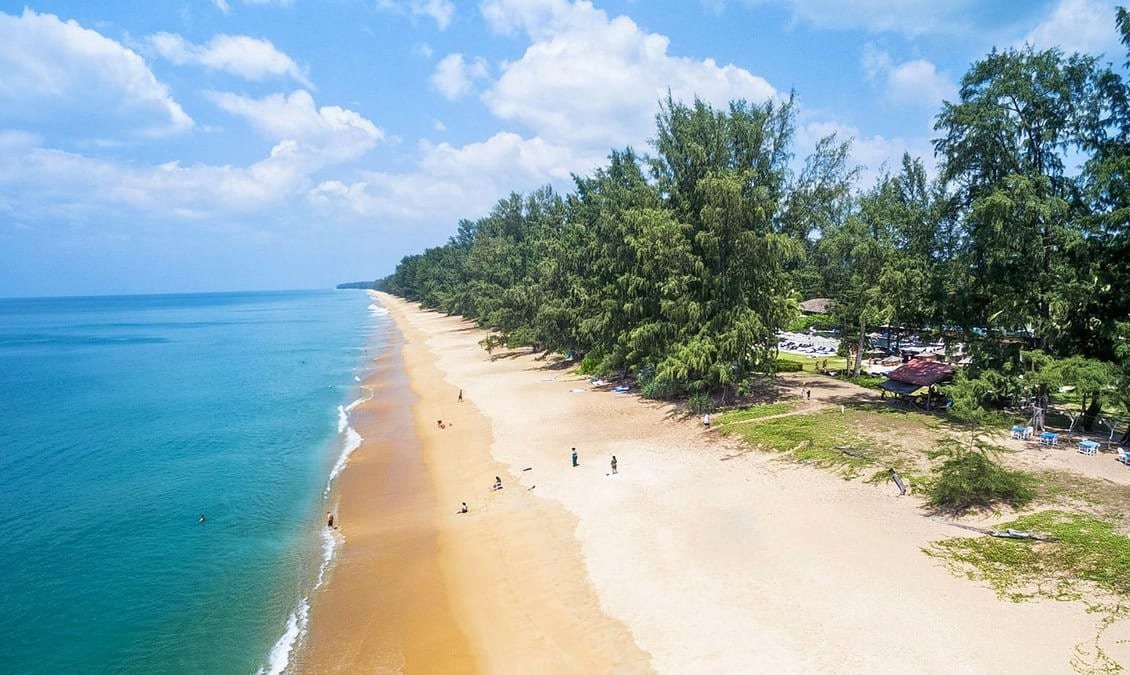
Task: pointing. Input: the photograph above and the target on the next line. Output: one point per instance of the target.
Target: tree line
(681, 265)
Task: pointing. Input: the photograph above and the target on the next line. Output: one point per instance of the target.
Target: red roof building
(922, 372)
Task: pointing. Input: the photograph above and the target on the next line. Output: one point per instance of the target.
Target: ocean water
(122, 421)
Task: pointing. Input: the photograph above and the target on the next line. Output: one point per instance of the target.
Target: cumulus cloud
(1085, 26)
(873, 154)
(55, 72)
(452, 182)
(329, 134)
(593, 81)
(247, 57)
(915, 82)
(58, 185)
(454, 77)
(440, 11)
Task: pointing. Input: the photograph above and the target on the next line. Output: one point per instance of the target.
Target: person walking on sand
(330, 519)
(575, 463)
(613, 463)
(706, 420)
(460, 395)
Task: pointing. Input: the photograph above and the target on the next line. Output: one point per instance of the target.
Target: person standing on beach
(575, 457)
(330, 519)
(613, 463)
(460, 395)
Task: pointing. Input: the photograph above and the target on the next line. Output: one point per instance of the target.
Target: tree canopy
(681, 265)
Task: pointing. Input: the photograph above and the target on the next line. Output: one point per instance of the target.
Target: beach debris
(1007, 533)
(528, 468)
(850, 451)
(899, 482)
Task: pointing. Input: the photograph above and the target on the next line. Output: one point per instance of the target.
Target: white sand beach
(697, 556)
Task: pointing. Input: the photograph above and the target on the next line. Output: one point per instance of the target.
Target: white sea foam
(329, 549)
(342, 419)
(368, 395)
(350, 442)
(356, 379)
(377, 310)
(295, 628)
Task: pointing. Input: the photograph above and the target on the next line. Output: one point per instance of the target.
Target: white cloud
(454, 77)
(916, 82)
(1085, 26)
(223, 6)
(59, 72)
(594, 81)
(909, 17)
(51, 183)
(440, 11)
(456, 182)
(423, 50)
(247, 57)
(714, 6)
(872, 154)
(329, 134)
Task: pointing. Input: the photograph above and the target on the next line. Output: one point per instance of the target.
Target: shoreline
(417, 586)
(693, 558)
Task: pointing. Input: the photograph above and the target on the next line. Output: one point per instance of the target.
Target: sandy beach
(693, 558)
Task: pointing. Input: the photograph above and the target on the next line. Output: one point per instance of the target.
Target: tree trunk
(1087, 422)
(859, 349)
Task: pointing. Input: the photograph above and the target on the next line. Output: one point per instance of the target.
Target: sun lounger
(621, 389)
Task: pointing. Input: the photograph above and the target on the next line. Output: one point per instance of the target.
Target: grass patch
(813, 438)
(1089, 553)
(807, 363)
(754, 412)
(866, 381)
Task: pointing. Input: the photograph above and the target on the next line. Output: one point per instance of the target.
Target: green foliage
(688, 260)
(802, 323)
(788, 366)
(973, 480)
(1089, 550)
(700, 403)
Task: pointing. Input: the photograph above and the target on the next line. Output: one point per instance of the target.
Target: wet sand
(418, 587)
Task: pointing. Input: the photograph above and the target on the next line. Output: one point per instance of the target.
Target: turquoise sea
(122, 421)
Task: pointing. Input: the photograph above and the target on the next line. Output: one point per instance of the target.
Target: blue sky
(271, 144)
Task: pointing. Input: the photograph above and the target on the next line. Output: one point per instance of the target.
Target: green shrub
(660, 388)
(700, 403)
(789, 366)
(803, 322)
(971, 479)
